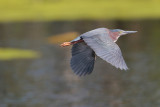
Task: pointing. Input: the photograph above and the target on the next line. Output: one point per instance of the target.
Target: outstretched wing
(83, 57)
(106, 49)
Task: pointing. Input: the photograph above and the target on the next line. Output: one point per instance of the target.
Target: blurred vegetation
(45, 10)
(11, 53)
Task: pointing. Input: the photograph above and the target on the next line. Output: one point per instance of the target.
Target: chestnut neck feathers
(114, 35)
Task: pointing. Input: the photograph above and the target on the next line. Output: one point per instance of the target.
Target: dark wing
(83, 58)
(106, 49)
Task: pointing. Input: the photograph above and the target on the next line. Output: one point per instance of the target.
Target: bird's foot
(66, 44)
(70, 43)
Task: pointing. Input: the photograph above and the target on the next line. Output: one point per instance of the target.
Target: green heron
(100, 41)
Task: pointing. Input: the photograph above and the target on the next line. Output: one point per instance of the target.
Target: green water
(47, 81)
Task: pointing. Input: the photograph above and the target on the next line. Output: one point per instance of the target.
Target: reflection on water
(11, 53)
(49, 82)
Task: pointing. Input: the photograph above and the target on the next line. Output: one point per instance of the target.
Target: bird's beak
(127, 32)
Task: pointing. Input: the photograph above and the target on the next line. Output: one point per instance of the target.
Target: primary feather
(83, 57)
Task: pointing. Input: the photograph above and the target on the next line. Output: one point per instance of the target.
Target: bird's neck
(114, 35)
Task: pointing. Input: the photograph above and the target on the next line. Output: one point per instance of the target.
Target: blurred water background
(35, 70)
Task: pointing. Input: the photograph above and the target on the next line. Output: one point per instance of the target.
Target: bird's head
(122, 32)
(116, 33)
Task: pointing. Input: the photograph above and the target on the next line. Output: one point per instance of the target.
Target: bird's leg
(70, 43)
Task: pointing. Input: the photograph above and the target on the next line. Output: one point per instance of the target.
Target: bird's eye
(120, 31)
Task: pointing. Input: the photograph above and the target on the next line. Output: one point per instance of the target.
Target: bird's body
(101, 42)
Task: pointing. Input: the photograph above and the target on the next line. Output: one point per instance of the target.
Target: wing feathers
(83, 57)
(106, 49)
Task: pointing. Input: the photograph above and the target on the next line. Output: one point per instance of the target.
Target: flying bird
(100, 41)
